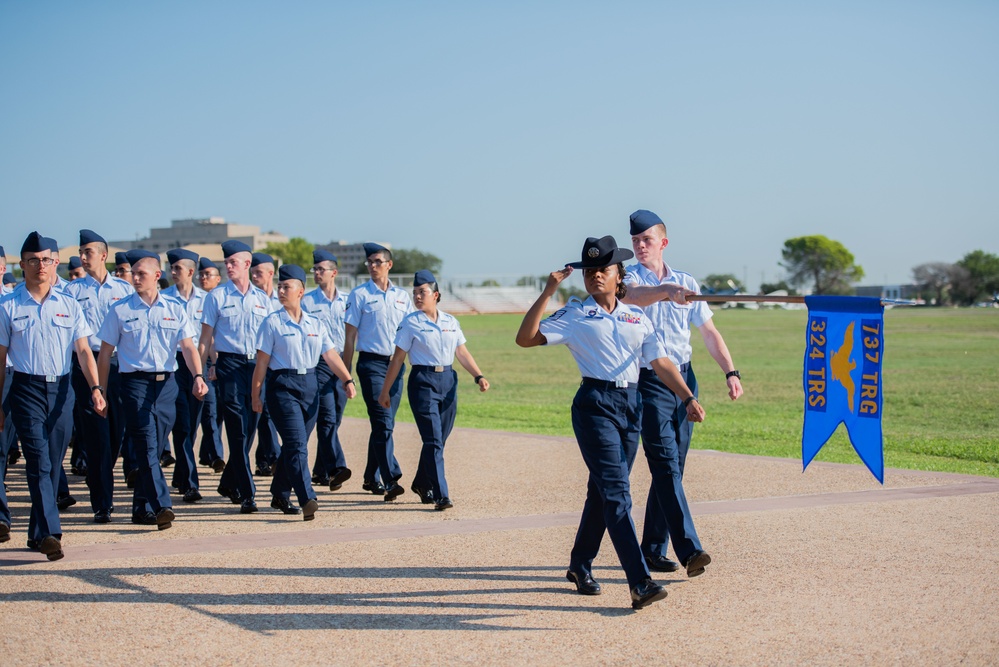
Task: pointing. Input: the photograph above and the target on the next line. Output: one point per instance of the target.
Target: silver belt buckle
(251, 356)
(51, 378)
(160, 377)
(623, 384)
(301, 371)
(438, 369)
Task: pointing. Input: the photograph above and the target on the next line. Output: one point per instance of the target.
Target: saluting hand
(556, 277)
(200, 389)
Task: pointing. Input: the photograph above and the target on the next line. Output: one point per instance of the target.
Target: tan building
(350, 256)
(202, 232)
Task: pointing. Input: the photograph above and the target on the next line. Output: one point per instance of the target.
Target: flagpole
(765, 298)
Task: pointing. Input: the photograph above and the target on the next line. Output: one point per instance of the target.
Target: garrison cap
(372, 248)
(205, 263)
(51, 244)
(9, 279)
(3, 253)
(642, 220)
(261, 258)
(133, 256)
(230, 248)
(177, 254)
(74, 263)
(320, 255)
(423, 277)
(34, 243)
(121, 258)
(90, 236)
(291, 272)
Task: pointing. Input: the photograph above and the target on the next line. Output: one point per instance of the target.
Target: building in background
(202, 234)
(350, 256)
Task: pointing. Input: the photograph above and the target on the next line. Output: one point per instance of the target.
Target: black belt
(237, 355)
(292, 371)
(149, 375)
(607, 384)
(432, 369)
(38, 378)
(371, 356)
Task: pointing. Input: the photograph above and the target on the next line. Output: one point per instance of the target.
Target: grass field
(941, 387)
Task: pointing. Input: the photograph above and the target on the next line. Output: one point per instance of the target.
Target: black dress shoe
(661, 564)
(130, 479)
(4, 532)
(164, 518)
(78, 471)
(695, 564)
(426, 495)
(646, 593)
(192, 496)
(264, 470)
(443, 504)
(13, 457)
(320, 480)
(167, 460)
(65, 502)
(226, 492)
(51, 547)
(33, 545)
(585, 583)
(309, 509)
(283, 504)
(146, 519)
(374, 487)
(218, 465)
(248, 506)
(393, 491)
(338, 478)
(102, 516)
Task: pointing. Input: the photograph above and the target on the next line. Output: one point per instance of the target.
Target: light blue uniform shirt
(39, 337)
(293, 345)
(672, 321)
(194, 306)
(605, 346)
(377, 315)
(236, 318)
(429, 343)
(96, 299)
(329, 312)
(147, 337)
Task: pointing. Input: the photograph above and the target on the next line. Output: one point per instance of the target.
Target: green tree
(489, 282)
(406, 260)
(938, 279)
(825, 264)
(296, 251)
(767, 288)
(720, 282)
(981, 280)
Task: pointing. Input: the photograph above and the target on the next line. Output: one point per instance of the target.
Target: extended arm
(349, 340)
(467, 362)
(646, 295)
(336, 365)
(91, 372)
(193, 361)
(667, 371)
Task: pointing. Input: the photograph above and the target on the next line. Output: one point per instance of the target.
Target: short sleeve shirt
(96, 299)
(147, 336)
(293, 345)
(671, 321)
(40, 337)
(235, 317)
(194, 306)
(429, 343)
(329, 312)
(606, 346)
(376, 315)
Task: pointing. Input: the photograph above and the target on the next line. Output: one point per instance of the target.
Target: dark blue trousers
(666, 435)
(7, 439)
(434, 399)
(605, 422)
(235, 377)
(150, 407)
(211, 427)
(101, 437)
(294, 406)
(43, 416)
(185, 428)
(332, 402)
(268, 447)
(371, 371)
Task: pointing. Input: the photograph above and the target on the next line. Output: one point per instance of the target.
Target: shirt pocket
(371, 308)
(63, 322)
(21, 327)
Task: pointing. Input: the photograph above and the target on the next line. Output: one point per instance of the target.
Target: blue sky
(498, 136)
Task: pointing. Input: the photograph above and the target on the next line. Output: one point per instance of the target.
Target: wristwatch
(97, 387)
(687, 400)
(733, 374)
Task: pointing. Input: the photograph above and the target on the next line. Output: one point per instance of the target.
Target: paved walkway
(824, 567)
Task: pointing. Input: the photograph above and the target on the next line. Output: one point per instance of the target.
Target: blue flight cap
(423, 277)
(598, 253)
(51, 244)
(120, 258)
(177, 254)
(74, 263)
(230, 248)
(261, 258)
(642, 220)
(320, 255)
(8, 278)
(3, 253)
(291, 272)
(133, 256)
(373, 248)
(205, 263)
(90, 236)
(34, 243)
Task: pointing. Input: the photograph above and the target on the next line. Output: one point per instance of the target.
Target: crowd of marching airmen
(122, 368)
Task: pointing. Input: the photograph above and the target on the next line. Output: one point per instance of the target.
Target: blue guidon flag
(842, 376)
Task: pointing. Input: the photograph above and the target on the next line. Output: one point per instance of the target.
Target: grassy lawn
(941, 387)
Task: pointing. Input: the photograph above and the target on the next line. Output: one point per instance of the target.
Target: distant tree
(938, 278)
(489, 282)
(566, 293)
(981, 280)
(719, 282)
(406, 260)
(526, 281)
(296, 251)
(767, 288)
(825, 264)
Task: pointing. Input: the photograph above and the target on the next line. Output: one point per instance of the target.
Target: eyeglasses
(34, 262)
(319, 269)
(375, 262)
